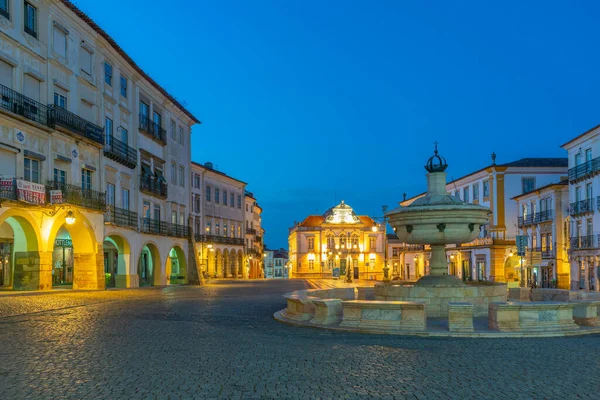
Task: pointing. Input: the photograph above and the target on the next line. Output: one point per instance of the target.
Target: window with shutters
(86, 111)
(85, 57)
(181, 176)
(181, 136)
(110, 194)
(31, 87)
(59, 40)
(6, 74)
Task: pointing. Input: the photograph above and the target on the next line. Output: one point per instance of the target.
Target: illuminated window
(372, 243)
(311, 265)
(311, 243)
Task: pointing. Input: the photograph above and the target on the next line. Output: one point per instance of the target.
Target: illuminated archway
(117, 256)
(225, 266)
(218, 263)
(85, 270)
(22, 265)
(149, 266)
(176, 266)
(241, 266)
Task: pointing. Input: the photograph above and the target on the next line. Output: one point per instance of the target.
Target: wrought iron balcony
(120, 152)
(582, 242)
(121, 217)
(548, 253)
(250, 231)
(218, 239)
(21, 105)
(585, 169)
(78, 196)
(526, 220)
(162, 228)
(543, 216)
(153, 186)
(8, 190)
(75, 124)
(582, 207)
(156, 131)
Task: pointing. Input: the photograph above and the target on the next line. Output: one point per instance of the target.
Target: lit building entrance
(149, 266)
(6, 272)
(62, 259)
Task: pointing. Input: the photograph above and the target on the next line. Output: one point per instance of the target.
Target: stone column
(586, 267)
(88, 271)
(32, 270)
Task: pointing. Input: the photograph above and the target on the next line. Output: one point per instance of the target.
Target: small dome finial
(436, 163)
(493, 158)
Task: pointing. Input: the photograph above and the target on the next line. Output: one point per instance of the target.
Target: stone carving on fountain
(438, 219)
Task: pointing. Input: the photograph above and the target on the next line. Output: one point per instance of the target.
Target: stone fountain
(438, 219)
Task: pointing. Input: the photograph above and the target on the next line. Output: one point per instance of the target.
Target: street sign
(521, 245)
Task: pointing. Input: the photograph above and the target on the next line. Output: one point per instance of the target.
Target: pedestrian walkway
(338, 283)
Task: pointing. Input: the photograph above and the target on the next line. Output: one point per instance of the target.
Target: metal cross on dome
(436, 145)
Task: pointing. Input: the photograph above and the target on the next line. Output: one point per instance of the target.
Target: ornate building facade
(335, 243)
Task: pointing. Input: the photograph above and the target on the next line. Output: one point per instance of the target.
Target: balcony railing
(581, 207)
(121, 217)
(120, 152)
(218, 239)
(78, 196)
(155, 227)
(251, 231)
(153, 186)
(251, 252)
(156, 131)
(74, 123)
(536, 218)
(585, 169)
(548, 253)
(21, 105)
(582, 242)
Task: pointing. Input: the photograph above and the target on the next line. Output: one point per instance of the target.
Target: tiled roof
(313, 220)
(217, 172)
(539, 162)
(129, 60)
(564, 182)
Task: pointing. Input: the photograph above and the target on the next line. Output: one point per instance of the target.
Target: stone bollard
(585, 312)
(327, 311)
(460, 317)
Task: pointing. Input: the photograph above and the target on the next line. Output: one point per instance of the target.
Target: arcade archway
(149, 268)
(176, 266)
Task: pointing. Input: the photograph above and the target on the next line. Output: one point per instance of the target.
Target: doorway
(62, 260)
(6, 265)
(355, 267)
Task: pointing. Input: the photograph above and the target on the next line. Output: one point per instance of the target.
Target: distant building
(218, 222)
(489, 256)
(324, 246)
(254, 236)
(280, 264)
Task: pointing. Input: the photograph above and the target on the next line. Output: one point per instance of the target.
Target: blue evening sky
(311, 102)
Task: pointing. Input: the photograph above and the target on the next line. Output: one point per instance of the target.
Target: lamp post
(386, 269)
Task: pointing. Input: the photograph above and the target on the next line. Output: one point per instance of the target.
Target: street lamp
(70, 218)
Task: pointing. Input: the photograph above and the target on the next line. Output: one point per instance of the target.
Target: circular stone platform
(436, 298)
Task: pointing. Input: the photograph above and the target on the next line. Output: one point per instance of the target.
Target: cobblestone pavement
(220, 341)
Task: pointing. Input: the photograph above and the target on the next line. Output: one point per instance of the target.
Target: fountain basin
(436, 298)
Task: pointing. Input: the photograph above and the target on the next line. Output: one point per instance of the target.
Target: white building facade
(584, 190)
(94, 158)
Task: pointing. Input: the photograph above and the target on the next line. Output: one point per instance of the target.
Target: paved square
(221, 341)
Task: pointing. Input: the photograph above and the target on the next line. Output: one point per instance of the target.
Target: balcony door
(588, 155)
